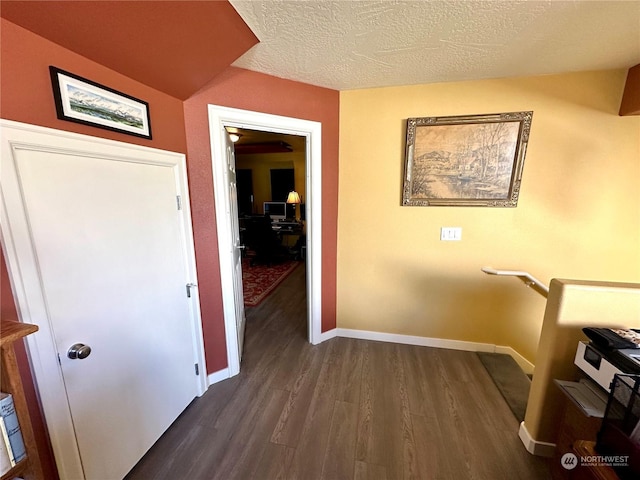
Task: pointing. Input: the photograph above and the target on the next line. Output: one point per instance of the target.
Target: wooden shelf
(17, 471)
(11, 331)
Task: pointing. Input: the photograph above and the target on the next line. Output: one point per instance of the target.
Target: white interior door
(236, 252)
(107, 248)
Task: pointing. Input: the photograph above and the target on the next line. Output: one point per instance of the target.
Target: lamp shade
(293, 197)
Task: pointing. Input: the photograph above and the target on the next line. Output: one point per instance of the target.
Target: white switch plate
(451, 234)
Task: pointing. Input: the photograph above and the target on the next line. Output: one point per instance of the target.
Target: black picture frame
(83, 101)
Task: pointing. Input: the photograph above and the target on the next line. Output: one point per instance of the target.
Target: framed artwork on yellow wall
(469, 160)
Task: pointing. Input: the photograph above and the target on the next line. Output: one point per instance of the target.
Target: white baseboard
(218, 376)
(543, 449)
(328, 335)
(526, 366)
(415, 340)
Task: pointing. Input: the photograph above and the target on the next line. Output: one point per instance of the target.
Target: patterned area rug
(260, 280)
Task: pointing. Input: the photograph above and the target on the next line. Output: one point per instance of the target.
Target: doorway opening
(220, 120)
(270, 192)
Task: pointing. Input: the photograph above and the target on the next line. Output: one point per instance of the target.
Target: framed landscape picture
(83, 101)
(472, 160)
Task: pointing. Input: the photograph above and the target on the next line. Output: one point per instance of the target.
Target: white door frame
(25, 279)
(221, 117)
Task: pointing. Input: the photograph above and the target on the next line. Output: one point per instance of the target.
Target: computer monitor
(276, 210)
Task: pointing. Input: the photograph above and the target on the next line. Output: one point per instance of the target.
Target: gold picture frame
(467, 161)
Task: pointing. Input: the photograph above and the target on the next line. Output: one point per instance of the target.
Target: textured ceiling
(347, 45)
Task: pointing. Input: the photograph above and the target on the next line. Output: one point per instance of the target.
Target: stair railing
(528, 279)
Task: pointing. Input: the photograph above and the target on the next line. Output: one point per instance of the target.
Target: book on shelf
(6, 461)
(12, 436)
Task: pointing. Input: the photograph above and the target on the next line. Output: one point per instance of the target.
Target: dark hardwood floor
(344, 409)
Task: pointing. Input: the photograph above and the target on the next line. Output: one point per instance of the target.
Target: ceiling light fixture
(235, 137)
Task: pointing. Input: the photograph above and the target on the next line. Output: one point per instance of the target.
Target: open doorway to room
(271, 190)
(221, 120)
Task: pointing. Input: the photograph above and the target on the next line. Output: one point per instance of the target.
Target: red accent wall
(239, 88)
(173, 46)
(26, 94)
(630, 104)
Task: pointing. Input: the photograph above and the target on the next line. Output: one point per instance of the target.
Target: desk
(286, 230)
(290, 234)
(290, 226)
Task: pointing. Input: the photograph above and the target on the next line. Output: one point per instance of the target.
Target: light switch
(451, 234)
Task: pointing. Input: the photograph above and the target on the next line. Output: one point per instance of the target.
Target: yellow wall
(261, 164)
(578, 215)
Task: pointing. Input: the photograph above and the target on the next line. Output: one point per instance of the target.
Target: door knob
(78, 351)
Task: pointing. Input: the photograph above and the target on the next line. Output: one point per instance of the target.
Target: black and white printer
(609, 352)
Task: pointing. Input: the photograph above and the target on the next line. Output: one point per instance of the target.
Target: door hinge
(197, 369)
(179, 202)
(189, 287)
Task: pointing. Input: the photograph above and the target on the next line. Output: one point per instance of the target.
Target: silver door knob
(78, 351)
